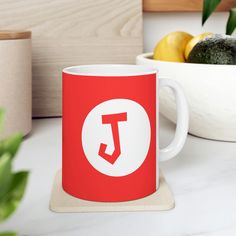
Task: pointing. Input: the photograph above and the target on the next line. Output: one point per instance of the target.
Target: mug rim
(110, 70)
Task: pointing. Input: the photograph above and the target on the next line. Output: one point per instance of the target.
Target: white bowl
(210, 91)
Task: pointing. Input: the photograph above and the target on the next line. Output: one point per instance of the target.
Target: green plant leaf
(231, 23)
(12, 198)
(208, 7)
(5, 174)
(11, 144)
(9, 234)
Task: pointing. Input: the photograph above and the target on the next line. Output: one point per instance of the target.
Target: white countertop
(202, 178)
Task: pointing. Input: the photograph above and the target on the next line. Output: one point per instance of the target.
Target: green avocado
(216, 49)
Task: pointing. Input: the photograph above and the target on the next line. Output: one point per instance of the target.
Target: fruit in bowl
(209, 88)
(216, 49)
(172, 47)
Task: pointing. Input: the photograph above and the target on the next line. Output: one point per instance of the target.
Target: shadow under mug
(110, 131)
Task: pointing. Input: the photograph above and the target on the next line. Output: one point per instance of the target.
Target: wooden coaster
(63, 202)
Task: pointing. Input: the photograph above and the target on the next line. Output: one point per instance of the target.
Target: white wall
(156, 25)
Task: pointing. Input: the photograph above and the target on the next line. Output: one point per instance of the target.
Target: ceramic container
(110, 131)
(210, 91)
(15, 81)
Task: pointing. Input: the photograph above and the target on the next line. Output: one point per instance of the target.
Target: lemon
(172, 47)
(194, 41)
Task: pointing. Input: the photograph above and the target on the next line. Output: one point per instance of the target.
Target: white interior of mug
(110, 70)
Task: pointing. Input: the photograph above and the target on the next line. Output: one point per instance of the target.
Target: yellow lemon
(194, 41)
(172, 47)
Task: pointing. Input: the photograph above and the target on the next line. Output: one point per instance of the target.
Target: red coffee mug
(110, 131)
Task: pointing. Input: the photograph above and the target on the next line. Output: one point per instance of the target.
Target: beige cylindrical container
(16, 82)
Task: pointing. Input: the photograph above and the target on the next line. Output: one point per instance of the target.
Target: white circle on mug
(116, 137)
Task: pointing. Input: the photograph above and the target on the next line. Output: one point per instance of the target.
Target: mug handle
(182, 123)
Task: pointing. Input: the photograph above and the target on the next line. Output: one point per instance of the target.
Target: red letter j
(113, 120)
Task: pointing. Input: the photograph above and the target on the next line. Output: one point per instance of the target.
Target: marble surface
(202, 178)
